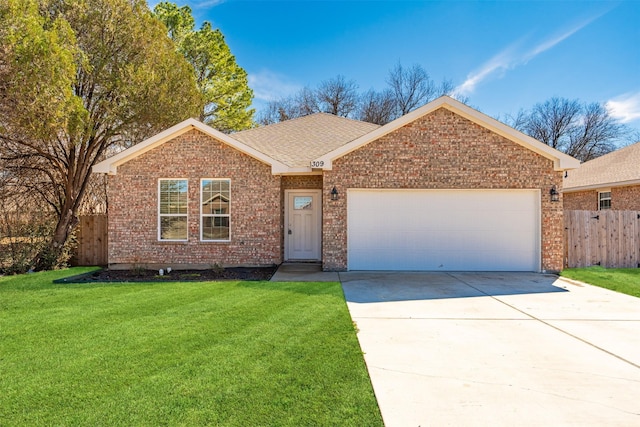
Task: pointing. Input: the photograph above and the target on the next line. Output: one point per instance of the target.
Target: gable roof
(111, 164)
(291, 147)
(618, 168)
(298, 141)
(561, 161)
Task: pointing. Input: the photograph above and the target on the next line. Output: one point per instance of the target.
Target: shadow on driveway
(372, 287)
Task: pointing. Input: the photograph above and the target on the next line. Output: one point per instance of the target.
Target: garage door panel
(482, 230)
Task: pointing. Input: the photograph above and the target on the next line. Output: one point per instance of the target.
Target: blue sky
(504, 56)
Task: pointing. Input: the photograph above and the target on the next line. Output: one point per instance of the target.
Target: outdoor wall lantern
(555, 196)
(334, 193)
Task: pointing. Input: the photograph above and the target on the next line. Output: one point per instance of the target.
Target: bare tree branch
(338, 96)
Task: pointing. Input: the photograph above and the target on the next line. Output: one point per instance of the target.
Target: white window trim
(202, 215)
(160, 216)
(599, 199)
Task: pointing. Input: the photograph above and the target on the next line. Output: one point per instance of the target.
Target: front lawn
(625, 280)
(207, 353)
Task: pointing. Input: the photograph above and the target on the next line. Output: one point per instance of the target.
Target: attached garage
(443, 230)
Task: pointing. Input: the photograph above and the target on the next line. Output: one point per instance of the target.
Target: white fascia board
(561, 161)
(300, 171)
(111, 164)
(602, 185)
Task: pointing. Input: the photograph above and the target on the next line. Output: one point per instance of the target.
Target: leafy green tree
(76, 78)
(222, 82)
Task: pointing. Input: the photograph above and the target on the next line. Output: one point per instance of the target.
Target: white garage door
(444, 230)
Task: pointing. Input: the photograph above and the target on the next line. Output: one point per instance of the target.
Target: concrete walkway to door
(497, 349)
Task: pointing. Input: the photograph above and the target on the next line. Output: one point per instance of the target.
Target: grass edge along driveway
(623, 280)
(207, 353)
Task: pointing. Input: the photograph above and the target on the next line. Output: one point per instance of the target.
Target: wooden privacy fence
(607, 238)
(92, 241)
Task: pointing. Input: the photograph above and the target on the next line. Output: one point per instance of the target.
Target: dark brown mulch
(235, 273)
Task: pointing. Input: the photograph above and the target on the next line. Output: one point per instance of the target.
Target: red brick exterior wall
(626, 198)
(439, 151)
(256, 221)
(622, 199)
(581, 201)
(301, 182)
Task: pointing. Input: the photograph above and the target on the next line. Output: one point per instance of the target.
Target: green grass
(624, 280)
(209, 353)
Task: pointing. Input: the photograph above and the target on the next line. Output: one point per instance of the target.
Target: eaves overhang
(601, 185)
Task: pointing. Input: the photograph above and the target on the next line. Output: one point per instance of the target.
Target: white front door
(302, 224)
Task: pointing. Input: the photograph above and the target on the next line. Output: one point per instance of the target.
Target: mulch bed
(235, 273)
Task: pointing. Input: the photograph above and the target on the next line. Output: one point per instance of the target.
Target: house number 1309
(317, 163)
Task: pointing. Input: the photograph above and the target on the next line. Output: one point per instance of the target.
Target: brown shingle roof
(621, 167)
(298, 141)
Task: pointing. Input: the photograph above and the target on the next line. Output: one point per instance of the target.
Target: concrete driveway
(497, 349)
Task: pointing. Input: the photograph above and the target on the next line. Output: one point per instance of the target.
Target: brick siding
(581, 201)
(256, 221)
(441, 151)
(301, 182)
(438, 151)
(622, 199)
(625, 198)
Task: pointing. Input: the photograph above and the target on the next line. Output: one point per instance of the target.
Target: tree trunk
(50, 256)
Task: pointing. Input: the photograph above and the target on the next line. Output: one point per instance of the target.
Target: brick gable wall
(256, 221)
(441, 151)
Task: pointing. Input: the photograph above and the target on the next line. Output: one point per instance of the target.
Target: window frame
(203, 215)
(161, 215)
(603, 199)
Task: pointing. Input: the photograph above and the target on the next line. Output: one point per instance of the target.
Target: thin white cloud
(268, 86)
(498, 64)
(512, 57)
(208, 3)
(625, 108)
(548, 44)
(194, 5)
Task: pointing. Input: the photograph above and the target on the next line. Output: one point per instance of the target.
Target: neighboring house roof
(111, 164)
(315, 141)
(561, 161)
(618, 168)
(298, 141)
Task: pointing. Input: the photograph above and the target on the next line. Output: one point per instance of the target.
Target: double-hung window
(215, 203)
(604, 200)
(172, 210)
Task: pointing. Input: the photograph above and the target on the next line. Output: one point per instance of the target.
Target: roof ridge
(307, 116)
